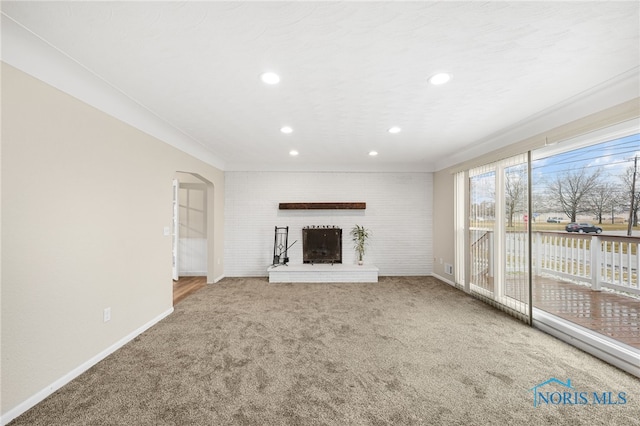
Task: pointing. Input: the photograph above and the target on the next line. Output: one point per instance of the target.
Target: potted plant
(359, 235)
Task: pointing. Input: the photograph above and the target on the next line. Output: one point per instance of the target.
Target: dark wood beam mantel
(323, 206)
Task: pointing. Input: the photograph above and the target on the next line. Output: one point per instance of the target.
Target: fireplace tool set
(281, 246)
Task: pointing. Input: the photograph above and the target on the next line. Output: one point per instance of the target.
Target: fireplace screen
(321, 245)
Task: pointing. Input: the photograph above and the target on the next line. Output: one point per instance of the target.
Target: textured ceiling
(349, 70)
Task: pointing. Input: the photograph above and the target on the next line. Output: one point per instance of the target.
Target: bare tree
(616, 205)
(543, 202)
(486, 210)
(600, 200)
(571, 188)
(632, 200)
(515, 191)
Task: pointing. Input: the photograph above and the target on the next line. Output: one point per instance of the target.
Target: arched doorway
(192, 236)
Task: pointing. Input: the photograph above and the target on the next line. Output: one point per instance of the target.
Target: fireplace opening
(321, 244)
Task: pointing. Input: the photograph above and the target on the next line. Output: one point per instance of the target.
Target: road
(634, 233)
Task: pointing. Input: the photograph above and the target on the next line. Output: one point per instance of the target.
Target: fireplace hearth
(321, 244)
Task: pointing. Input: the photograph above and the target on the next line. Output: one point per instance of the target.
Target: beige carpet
(405, 351)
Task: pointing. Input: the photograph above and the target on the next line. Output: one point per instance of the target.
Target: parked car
(554, 220)
(582, 227)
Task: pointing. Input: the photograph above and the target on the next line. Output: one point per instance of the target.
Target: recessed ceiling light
(373, 153)
(286, 129)
(270, 77)
(394, 129)
(440, 78)
(293, 153)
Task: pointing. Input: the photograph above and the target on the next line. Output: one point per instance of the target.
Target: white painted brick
(399, 213)
(323, 273)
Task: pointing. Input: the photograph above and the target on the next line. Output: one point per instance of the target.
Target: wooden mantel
(323, 206)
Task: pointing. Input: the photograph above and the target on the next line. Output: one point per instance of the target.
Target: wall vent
(448, 269)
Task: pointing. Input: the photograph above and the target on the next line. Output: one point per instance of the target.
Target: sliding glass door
(587, 243)
(498, 234)
(559, 237)
(482, 221)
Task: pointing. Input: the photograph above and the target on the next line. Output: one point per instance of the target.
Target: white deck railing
(597, 260)
(600, 261)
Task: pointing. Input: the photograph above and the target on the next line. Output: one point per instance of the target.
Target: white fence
(598, 260)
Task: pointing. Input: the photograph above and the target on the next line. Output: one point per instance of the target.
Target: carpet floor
(404, 351)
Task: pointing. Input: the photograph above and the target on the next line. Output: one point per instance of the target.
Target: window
(557, 240)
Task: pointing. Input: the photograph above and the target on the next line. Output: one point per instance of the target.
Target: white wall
(399, 213)
(85, 202)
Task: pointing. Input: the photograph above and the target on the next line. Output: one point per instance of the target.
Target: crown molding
(31, 54)
(614, 92)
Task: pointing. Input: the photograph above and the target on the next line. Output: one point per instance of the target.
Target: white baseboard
(48, 390)
(443, 279)
(215, 280)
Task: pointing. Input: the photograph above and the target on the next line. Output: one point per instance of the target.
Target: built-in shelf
(323, 206)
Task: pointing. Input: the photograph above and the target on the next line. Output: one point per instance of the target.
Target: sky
(614, 157)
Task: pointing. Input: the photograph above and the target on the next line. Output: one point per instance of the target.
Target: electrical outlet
(106, 314)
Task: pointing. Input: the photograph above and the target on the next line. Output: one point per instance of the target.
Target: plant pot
(360, 262)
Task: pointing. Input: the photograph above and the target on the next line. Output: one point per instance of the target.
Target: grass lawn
(544, 226)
